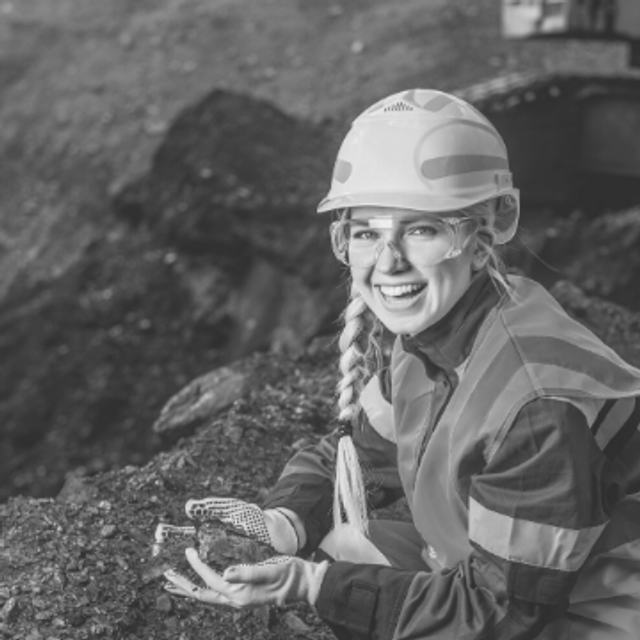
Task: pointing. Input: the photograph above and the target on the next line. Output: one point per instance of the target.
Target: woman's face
(407, 297)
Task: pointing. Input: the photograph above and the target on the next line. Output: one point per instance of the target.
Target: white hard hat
(424, 150)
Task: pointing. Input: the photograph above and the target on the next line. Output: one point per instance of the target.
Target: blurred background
(160, 163)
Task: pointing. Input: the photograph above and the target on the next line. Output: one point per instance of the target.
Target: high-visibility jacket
(514, 362)
(526, 353)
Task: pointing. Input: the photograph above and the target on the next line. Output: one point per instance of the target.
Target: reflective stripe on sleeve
(530, 543)
(615, 418)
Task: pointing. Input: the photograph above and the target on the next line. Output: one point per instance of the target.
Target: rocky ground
(81, 566)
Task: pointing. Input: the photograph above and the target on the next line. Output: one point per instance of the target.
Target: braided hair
(360, 359)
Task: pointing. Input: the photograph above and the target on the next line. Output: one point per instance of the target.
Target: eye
(363, 235)
(425, 230)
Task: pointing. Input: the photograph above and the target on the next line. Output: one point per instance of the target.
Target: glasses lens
(427, 242)
(423, 242)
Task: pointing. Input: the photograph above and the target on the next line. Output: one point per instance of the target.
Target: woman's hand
(279, 528)
(273, 582)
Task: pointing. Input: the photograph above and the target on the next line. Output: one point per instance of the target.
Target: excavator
(595, 19)
(574, 139)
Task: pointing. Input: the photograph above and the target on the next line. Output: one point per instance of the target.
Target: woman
(510, 428)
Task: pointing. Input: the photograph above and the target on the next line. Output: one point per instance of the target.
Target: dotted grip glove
(273, 582)
(274, 527)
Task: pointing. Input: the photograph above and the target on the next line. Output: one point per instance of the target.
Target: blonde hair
(486, 214)
(361, 358)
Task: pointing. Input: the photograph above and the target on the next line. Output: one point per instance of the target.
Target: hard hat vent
(400, 105)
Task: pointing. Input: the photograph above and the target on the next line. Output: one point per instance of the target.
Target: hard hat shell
(424, 150)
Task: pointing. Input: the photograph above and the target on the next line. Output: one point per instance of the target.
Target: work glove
(276, 581)
(274, 527)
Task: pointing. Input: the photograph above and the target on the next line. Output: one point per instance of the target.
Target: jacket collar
(447, 344)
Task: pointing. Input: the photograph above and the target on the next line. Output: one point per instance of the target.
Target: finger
(238, 573)
(179, 591)
(165, 531)
(267, 572)
(181, 582)
(245, 517)
(211, 508)
(207, 596)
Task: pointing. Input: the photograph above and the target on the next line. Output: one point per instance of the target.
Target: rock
(222, 547)
(213, 393)
(77, 490)
(108, 531)
(163, 603)
(203, 399)
(218, 545)
(295, 623)
(10, 610)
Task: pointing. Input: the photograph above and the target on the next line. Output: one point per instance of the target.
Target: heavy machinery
(597, 19)
(574, 139)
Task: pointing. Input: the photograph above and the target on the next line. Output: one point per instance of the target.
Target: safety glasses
(424, 241)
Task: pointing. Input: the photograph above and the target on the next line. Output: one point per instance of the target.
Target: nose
(389, 258)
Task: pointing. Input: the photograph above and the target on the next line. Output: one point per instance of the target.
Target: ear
(480, 256)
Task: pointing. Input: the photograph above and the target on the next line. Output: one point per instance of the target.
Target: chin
(406, 326)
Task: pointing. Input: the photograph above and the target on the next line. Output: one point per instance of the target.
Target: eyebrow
(386, 222)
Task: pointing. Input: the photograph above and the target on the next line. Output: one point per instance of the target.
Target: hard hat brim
(414, 202)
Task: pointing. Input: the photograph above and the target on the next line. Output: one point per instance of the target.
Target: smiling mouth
(401, 291)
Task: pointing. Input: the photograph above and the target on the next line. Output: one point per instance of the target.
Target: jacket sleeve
(536, 510)
(306, 483)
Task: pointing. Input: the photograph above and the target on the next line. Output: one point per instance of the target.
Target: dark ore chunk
(218, 545)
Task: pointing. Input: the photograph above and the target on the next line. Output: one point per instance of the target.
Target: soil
(81, 566)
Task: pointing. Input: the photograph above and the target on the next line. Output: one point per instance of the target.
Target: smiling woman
(510, 429)
(410, 269)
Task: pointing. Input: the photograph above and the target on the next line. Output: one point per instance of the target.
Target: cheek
(447, 286)
(361, 281)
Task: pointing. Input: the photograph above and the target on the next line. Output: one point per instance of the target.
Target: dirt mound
(89, 361)
(218, 254)
(225, 161)
(92, 547)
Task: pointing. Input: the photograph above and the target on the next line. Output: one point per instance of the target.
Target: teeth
(400, 290)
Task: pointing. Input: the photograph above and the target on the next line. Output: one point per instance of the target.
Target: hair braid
(360, 356)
